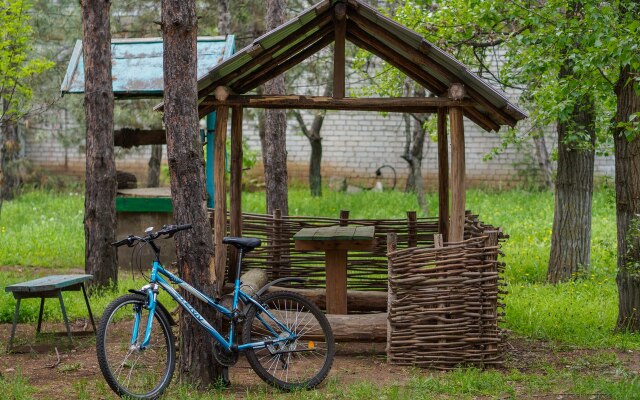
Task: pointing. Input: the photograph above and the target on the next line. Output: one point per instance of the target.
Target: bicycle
(286, 339)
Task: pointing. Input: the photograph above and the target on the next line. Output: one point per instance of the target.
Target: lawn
(44, 230)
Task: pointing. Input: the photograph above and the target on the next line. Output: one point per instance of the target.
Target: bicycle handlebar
(168, 230)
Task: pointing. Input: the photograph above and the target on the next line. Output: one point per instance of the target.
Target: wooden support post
(412, 222)
(344, 217)
(491, 247)
(220, 195)
(392, 244)
(443, 174)
(339, 60)
(458, 196)
(438, 243)
(276, 240)
(336, 269)
(235, 189)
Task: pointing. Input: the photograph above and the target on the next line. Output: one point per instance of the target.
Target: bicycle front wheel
(300, 346)
(130, 371)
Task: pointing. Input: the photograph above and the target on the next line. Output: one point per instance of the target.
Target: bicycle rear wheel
(301, 351)
(130, 371)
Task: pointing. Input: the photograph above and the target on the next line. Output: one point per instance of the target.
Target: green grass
(45, 230)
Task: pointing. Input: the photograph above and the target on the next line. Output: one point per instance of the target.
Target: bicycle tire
(154, 365)
(300, 364)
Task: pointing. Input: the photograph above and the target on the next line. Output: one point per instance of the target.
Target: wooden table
(48, 287)
(336, 241)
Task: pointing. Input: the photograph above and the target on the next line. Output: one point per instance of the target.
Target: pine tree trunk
(155, 162)
(571, 238)
(224, 17)
(100, 194)
(275, 155)
(194, 247)
(627, 154)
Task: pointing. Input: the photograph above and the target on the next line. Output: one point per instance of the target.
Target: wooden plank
(127, 137)
(305, 234)
(364, 232)
(320, 245)
(235, 183)
(344, 233)
(220, 196)
(443, 174)
(339, 59)
(146, 192)
(336, 270)
(458, 195)
(397, 104)
(48, 283)
(327, 233)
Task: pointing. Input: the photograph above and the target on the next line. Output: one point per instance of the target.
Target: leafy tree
(18, 68)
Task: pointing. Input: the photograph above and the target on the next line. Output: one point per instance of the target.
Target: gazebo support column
(458, 195)
(339, 60)
(443, 174)
(220, 193)
(235, 190)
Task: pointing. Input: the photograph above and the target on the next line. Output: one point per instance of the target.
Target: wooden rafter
(339, 58)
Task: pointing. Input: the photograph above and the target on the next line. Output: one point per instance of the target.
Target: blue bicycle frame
(157, 279)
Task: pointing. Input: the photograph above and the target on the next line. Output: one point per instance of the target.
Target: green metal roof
(136, 65)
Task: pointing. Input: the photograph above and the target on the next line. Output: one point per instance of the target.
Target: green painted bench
(48, 287)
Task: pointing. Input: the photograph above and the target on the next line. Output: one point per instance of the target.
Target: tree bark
(9, 159)
(542, 155)
(570, 255)
(100, 194)
(275, 155)
(155, 162)
(571, 238)
(315, 141)
(194, 247)
(413, 150)
(627, 155)
(224, 17)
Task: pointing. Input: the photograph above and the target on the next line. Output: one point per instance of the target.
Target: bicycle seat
(246, 244)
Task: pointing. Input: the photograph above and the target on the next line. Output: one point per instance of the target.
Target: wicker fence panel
(446, 304)
(366, 270)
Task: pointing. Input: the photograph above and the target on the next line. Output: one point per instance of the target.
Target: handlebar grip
(128, 241)
(183, 227)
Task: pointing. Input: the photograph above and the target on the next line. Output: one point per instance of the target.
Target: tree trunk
(315, 140)
(275, 155)
(627, 154)
(571, 238)
(543, 158)
(9, 159)
(194, 247)
(155, 162)
(224, 17)
(100, 194)
(414, 146)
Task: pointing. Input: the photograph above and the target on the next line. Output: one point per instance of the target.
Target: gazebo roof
(291, 43)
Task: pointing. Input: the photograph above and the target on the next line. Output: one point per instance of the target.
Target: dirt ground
(74, 370)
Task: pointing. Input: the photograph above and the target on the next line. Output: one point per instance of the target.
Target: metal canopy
(137, 65)
(313, 29)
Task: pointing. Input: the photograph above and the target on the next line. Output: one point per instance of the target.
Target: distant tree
(274, 152)
(100, 194)
(18, 68)
(194, 247)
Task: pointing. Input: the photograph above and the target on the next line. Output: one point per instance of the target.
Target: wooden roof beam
(286, 65)
(339, 58)
(260, 55)
(393, 104)
(292, 52)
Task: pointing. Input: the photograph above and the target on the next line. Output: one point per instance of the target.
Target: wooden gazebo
(458, 92)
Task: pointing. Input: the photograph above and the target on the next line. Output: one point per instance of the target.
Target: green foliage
(17, 64)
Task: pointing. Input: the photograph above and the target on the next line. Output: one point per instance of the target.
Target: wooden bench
(48, 287)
